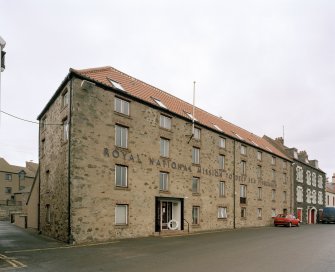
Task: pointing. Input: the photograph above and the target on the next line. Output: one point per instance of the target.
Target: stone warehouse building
(120, 158)
(309, 183)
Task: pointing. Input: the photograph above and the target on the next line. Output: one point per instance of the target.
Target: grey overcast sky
(260, 64)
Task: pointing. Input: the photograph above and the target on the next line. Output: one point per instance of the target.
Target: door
(312, 216)
(166, 212)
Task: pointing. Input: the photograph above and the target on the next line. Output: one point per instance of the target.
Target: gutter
(234, 188)
(70, 237)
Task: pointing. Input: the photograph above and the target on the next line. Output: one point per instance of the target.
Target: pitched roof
(30, 168)
(330, 187)
(148, 93)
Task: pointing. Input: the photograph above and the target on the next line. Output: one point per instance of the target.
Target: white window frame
(222, 212)
(259, 171)
(121, 214)
(259, 212)
(243, 212)
(197, 133)
(259, 193)
(195, 215)
(160, 103)
(314, 179)
(165, 121)
(320, 181)
(195, 185)
(195, 155)
(308, 177)
(222, 159)
(300, 194)
(116, 84)
(243, 167)
(273, 194)
(299, 173)
(163, 181)
(164, 147)
(273, 160)
(121, 136)
(65, 129)
(121, 106)
(8, 176)
(222, 188)
(243, 150)
(222, 142)
(121, 175)
(259, 155)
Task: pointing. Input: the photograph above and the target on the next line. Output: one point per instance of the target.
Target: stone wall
(94, 155)
(53, 152)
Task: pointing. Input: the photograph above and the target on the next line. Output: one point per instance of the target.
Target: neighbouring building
(309, 183)
(330, 192)
(14, 181)
(120, 158)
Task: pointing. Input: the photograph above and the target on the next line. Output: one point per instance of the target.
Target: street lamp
(3, 53)
(2, 62)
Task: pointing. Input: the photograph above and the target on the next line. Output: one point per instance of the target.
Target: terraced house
(309, 183)
(120, 158)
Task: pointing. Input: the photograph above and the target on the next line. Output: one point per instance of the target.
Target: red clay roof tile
(145, 92)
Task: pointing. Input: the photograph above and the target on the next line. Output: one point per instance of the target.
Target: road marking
(11, 261)
(60, 247)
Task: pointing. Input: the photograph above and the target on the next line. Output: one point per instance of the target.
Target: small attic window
(191, 116)
(269, 149)
(238, 136)
(160, 103)
(217, 127)
(116, 85)
(253, 142)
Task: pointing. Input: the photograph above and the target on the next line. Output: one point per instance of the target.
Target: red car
(288, 220)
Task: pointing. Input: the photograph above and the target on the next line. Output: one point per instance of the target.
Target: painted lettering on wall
(122, 154)
(196, 169)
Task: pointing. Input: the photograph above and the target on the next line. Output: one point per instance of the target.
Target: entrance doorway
(169, 214)
(312, 216)
(166, 212)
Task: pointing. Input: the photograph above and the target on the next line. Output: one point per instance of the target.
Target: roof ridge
(95, 69)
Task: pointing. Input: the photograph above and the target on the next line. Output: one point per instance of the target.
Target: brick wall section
(94, 155)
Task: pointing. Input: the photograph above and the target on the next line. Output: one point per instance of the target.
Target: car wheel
(289, 224)
(298, 225)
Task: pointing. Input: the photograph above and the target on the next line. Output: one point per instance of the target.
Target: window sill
(122, 114)
(121, 226)
(121, 188)
(196, 194)
(164, 192)
(223, 219)
(195, 226)
(166, 129)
